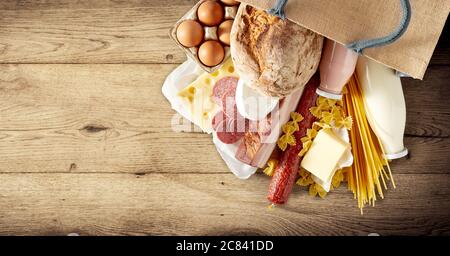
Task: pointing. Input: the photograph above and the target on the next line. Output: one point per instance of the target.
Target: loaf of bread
(274, 56)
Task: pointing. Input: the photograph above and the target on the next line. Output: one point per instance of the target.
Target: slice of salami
(230, 135)
(218, 122)
(222, 87)
(227, 129)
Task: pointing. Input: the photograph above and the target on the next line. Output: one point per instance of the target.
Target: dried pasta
(367, 176)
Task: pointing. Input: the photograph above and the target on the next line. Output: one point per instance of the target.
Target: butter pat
(197, 96)
(324, 155)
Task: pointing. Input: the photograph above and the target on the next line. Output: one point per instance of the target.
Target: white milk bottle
(385, 105)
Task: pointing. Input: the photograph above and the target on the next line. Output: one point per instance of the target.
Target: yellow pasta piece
(303, 152)
(288, 128)
(316, 112)
(282, 143)
(322, 193)
(331, 102)
(327, 117)
(322, 125)
(294, 125)
(290, 139)
(303, 173)
(321, 100)
(304, 182)
(307, 144)
(311, 133)
(271, 165)
(337, 179)
(347, 123)
(312, 190)
(296, 117)
(336, 113)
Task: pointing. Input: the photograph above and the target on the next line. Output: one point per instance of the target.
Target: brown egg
(210, 13)
(224, 31)
(190, 33)
(230, 2)
(211, 53)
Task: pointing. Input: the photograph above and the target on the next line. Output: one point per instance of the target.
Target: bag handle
(360, 45)
(278, 9)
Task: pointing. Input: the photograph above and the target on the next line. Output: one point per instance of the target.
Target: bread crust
(274, 56)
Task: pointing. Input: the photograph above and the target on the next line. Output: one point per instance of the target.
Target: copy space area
(86, 144)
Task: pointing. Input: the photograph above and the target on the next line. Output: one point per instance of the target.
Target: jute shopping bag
(346, 21)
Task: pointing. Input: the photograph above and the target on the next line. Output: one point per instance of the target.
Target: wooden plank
(88, 4)
(134, 35)
(72, 31)
(113, 118)
(442, 51)
(426, 155)
(215, 204)
(427, 105)
(106, 118)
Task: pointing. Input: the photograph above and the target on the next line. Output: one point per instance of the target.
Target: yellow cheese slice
(197, 97)
(324, 154)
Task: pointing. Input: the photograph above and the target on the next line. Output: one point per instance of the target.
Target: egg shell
(210, 13)
(224, 31)
(211, 53)
(230, 2)
(190, 33)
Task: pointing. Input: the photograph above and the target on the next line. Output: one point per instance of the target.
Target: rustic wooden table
(86, 144)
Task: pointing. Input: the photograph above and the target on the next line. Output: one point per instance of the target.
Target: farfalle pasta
(271, 165)
(288, 131)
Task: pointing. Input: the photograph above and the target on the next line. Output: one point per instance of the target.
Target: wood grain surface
(87, 146)
(210, 204)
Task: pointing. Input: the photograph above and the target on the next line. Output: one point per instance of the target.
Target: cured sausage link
(288, 166)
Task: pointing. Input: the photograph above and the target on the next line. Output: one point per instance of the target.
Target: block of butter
(197, 97)
(324, 155)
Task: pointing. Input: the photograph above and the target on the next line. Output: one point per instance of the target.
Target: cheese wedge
(197, 97)
(323, 157)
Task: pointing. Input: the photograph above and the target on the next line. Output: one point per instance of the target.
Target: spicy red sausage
(289, 162)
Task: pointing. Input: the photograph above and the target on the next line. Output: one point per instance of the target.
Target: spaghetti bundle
(369, 172)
